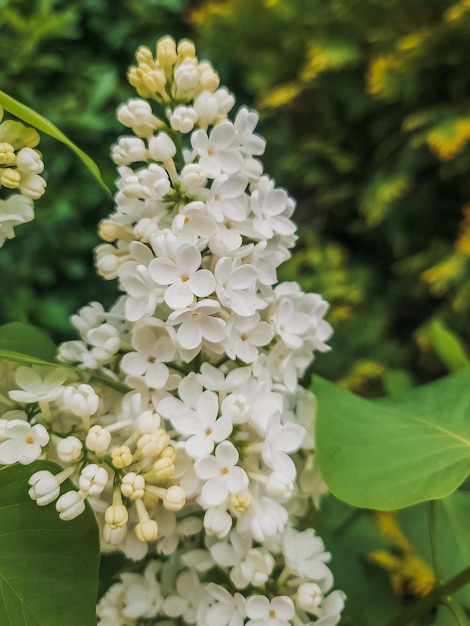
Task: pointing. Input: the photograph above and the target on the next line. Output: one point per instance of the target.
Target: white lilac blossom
(191, 439)
(21, 167)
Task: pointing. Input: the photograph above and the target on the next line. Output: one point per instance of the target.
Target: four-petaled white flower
(183, 276)
(264, 612)
(202, 425)
(24, 444)
(221, 473)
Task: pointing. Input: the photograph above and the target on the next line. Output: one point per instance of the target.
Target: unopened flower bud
(7, 154)
(29, 137)
(217, 522)
(32, 186)
(147, 531)
(10, 178)
(175, 498)
(144, 55)
(152, 444)
(45, 487)
(69, 449)
(70, 505)
(154, 80)
(163, 469)
(241, 501)
(83, 401)
(192, 176)
(93, 479)
(166, 52)
(279, 487)
(186, 49)
(186, 76)
(29, 160)
(148, 422)
(98, 439)
(132, 486)
(162, 147)
(309, 596)
(121, 457)
(116, 515)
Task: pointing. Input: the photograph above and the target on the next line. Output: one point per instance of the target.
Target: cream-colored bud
(147, 530)
(109, 230)
(7, 154)
(98, 439)
(32, 186)
(116, 515)
(241, 501)
(29, 137)
(69, 449)
(166, 52)
(175, 498)
(169, 453)
(10, 178)
(163, 469)
(186, 49)
(152, 444)
(144, 55)
(186, 76)
(132, 486)
(154, 80)
(208, 78)
(121, 457)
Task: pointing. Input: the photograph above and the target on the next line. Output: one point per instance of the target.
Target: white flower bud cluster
(21, 167)
(191, 453)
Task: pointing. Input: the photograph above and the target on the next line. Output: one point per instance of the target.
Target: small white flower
(197, 323)
(221, 473)
(227, 610)
(183, 277)
(304, 554)
(202, 425)
(38, 389)
(216, 151)
(264, 612)
(24, 444)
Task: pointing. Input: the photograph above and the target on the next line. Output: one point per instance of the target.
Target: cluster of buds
(20, 169)
(193, 454)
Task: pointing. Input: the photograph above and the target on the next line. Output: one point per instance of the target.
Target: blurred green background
(365, 105)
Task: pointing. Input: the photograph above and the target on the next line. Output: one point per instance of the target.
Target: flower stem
(429, 602)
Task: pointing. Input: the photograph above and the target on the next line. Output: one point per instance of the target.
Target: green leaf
(391, 454)
(39, 122)
(448, 346)
(48, 567)
(27, 342)
(452, 531)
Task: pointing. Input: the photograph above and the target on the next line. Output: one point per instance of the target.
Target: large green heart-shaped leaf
(48, 568)
(391, 454)
(24, 113)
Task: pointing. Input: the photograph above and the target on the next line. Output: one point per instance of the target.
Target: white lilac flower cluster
(189, 435)
(20, 169)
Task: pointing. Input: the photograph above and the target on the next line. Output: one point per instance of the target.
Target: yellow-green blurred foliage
(366, 108)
